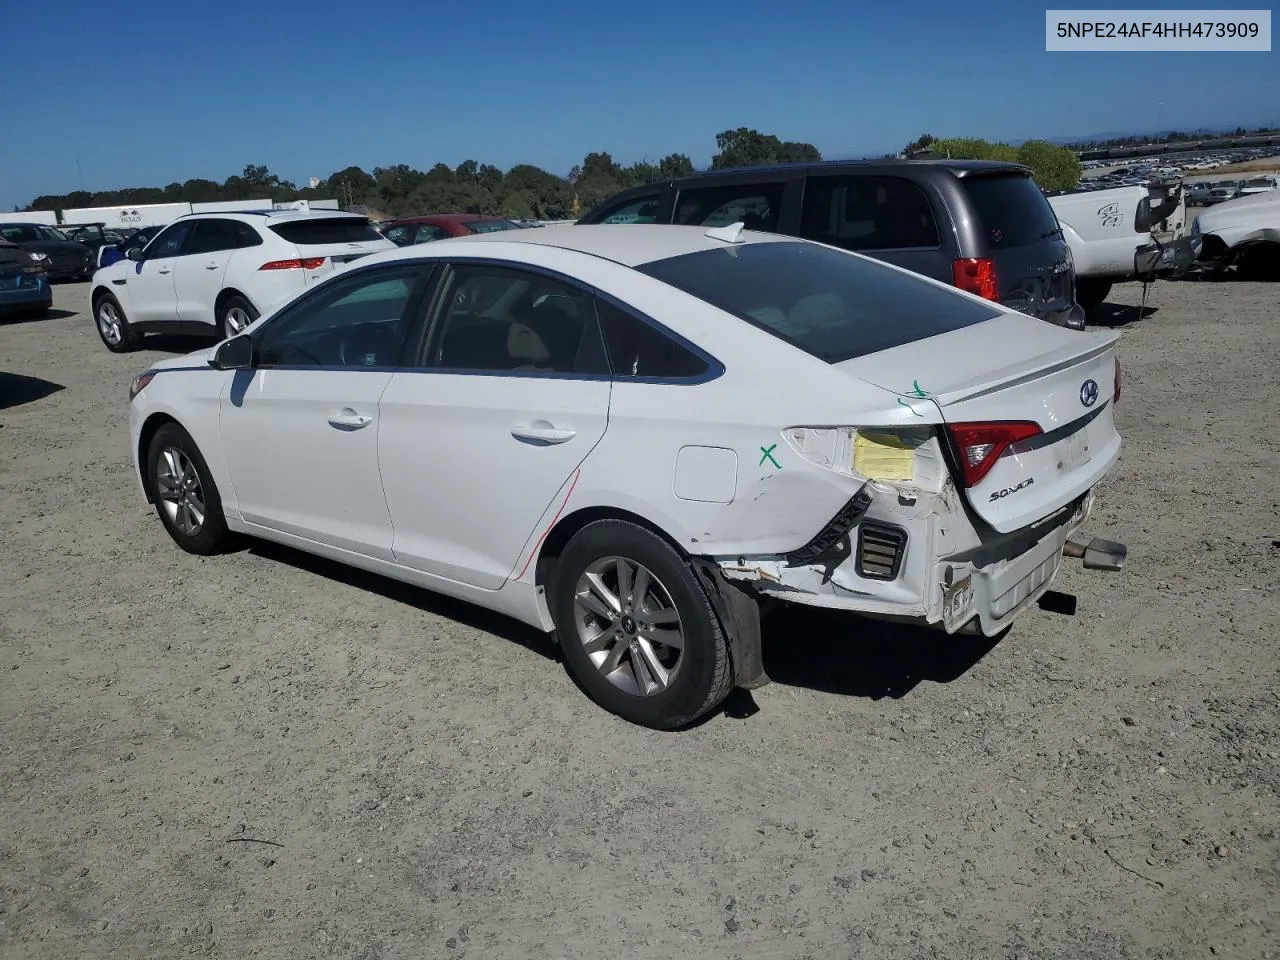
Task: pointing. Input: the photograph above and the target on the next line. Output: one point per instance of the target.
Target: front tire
(113, 325)
(236, 314)
(185, 495)
(637, 630)
(1091, 294)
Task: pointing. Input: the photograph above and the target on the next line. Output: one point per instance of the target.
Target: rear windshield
(489, 226)
(831, 304)
(326, 230)
(1012, 209)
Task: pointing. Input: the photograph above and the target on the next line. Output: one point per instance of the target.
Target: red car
(410, 230)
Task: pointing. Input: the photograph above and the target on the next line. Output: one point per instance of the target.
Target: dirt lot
(265, 755)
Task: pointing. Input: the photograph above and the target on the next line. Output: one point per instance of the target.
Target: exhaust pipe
(1097, 554)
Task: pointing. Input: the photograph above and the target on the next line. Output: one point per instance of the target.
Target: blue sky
(145, 92)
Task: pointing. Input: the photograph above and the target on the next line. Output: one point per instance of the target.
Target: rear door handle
(212, 266)
(542, 434)
(348, 419)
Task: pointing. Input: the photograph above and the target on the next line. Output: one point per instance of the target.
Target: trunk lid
(1034, 271)
(1010, 369)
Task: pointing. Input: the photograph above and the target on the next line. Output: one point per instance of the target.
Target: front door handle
(348, 419)
(212, 266)
(163, 270)
(542, 434)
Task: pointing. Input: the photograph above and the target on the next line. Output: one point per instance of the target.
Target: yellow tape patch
(882, 457)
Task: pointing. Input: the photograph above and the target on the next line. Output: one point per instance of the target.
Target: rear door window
(640, 210)
(756, 205)
(830, 304)
(213, 235)
(325, 230)
(867, 213)
(1013, 210)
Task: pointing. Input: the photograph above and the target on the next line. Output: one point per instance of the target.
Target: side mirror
(134, 254)
(233, 354)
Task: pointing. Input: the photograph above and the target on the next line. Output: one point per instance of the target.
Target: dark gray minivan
(980, 225)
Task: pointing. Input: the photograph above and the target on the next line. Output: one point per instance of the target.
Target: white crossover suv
(214, 274)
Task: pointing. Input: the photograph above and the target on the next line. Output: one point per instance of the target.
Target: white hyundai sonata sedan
(630, 438)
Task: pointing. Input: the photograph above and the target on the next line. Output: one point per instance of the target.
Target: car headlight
(140, 383)
(38, 257)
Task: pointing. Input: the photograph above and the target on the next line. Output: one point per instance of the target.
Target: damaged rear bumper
(981, 589)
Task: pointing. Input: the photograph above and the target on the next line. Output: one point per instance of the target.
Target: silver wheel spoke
(639, 589)
(614, 658)
(668, 638)
(659, 617)
(602, 639)
(653, 666)
(625, 572)
(605, 595)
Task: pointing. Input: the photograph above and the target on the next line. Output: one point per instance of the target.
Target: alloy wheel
(109, 322)
(179, 490)
(237, 319)
(629, 626)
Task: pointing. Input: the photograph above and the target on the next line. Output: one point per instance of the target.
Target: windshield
(48, 233)
(1013, 210)
(831, 304)
(489, 226)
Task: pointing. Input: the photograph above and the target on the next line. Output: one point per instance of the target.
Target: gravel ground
(267, 755)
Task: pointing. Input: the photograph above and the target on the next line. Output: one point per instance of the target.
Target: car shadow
(836, 652)
(1119, 314)
(828, 651)
(459, 611)
(13, 319)
(176, 344)
(16, 389)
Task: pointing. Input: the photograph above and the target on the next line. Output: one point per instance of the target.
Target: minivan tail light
(979, 445)
(306, 263)
(977, 275)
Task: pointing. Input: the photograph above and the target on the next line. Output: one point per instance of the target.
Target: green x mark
(767, 454)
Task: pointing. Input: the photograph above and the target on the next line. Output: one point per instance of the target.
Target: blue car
(24, 281)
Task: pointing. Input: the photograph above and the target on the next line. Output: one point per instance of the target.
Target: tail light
(1116, 397)
(306, 263)
(979, 445)
(977, 275)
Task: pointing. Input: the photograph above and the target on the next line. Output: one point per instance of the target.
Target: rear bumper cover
(983, 590)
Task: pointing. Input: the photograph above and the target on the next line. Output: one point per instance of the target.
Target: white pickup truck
(1244, 232)
(1125, 233)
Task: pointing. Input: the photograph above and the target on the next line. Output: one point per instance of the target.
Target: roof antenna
(730, 234)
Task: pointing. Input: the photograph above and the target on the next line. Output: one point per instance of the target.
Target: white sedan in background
(630, 438)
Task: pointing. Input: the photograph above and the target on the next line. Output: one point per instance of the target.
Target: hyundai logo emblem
(1089, 392)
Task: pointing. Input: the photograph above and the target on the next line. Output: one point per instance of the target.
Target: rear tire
(185, 495)
(1091, 294)
(236, 314)
(637, 630)
(113, 325)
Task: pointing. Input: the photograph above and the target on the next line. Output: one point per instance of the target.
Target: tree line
(524, 191)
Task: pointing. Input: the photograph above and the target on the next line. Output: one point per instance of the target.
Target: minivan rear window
(830, 304)
(1013, 210)
(322, 230)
